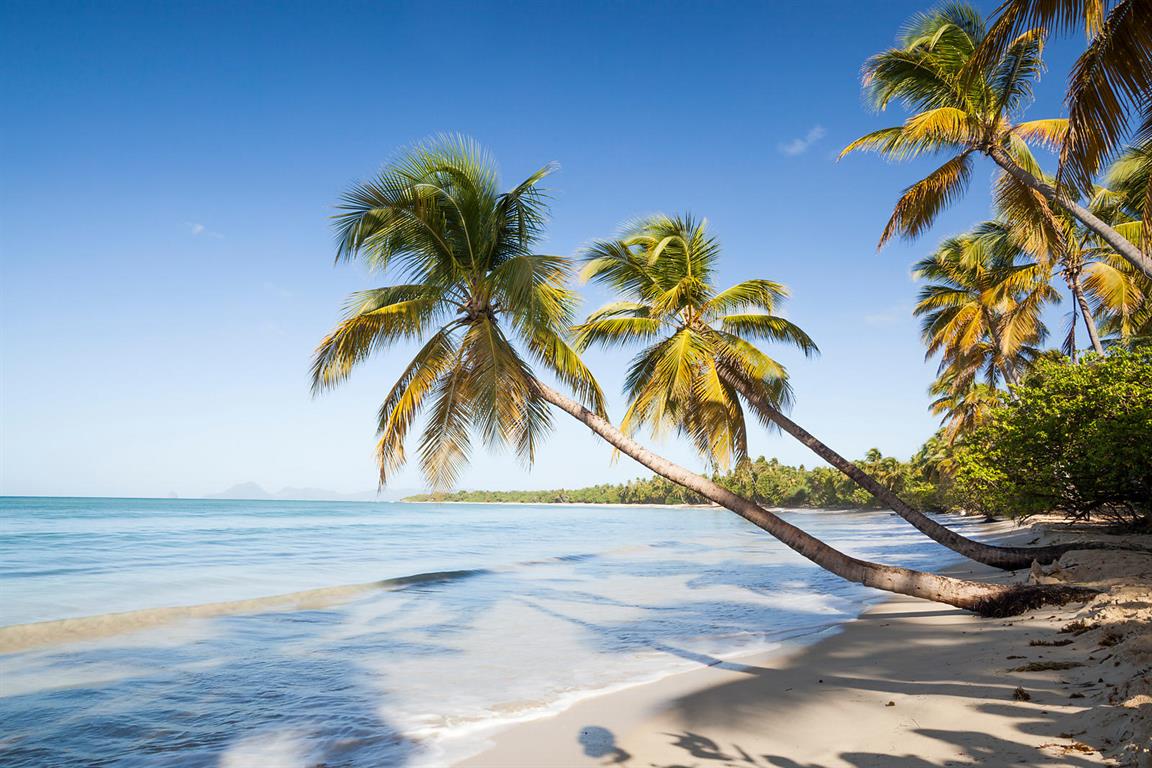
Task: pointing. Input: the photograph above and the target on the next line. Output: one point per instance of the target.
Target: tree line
(765, 481)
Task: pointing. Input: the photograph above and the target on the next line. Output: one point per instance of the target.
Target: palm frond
(770, 328)
(749, 294)
(923, 201)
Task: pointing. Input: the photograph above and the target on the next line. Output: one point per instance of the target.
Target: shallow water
(530, 608)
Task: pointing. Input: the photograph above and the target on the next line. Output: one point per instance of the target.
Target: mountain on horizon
(251, 491)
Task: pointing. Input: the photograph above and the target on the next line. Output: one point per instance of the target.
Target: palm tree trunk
(1008, 558)
(1009, 375)
(1127, 250)
(985, 599)
(1001, 361)
(1089, 321)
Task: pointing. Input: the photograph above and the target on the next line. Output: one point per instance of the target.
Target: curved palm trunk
(985, 599)
(1127, 250)
(1008, 558)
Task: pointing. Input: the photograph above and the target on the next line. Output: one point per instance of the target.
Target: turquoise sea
(478, 616)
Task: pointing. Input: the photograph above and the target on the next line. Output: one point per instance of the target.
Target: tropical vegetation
(1025, 428)
(1073, 437)
(765, 481)
(483, 305)
(698, 359)
(964, 104)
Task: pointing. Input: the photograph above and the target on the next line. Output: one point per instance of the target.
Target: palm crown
(954, 110)
(1109, 83)
(477, 297)
(695, 339)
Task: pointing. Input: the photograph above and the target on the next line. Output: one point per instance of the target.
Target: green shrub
(1073, 438)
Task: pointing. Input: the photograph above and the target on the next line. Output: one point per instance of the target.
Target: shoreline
(906, 684)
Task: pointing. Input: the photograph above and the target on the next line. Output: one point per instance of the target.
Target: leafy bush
(1073, 438)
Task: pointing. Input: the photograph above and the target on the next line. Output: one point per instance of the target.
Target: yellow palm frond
(942, 126)
(921, 202)
(1050, 133)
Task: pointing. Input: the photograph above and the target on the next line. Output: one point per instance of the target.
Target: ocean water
(424, 627)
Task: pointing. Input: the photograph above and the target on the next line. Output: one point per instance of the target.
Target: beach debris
(890, 704)
(1021, 695)
(1047, 666)
(1078, 627)
(1051, 643)
(1076, 746)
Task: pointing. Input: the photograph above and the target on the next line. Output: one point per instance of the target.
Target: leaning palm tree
(698, 358)
(483, 305)
(1108, 85)
(963, 112)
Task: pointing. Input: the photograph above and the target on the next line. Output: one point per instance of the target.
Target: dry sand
(910, 684)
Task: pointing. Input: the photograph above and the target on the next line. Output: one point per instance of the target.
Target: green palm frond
(404, 401)
(376, 320)
(614, 331)
(769, 328)
(751, 294)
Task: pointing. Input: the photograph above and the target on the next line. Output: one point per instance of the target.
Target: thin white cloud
(896, 314)
(800, 145)
(199, 230)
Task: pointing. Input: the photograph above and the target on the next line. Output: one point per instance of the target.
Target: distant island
(766, 481)
(254, 492)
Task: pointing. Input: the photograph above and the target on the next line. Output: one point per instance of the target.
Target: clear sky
(169, 170)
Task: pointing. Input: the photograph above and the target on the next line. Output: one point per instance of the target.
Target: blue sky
(170, 169)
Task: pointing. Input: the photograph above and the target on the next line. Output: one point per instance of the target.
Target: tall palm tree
(980, 307)
(483, 305)
(699, 360)
(958, 110)
(1059, 245)
(1108, 85)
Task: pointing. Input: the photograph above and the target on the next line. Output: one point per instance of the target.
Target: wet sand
(910, 684)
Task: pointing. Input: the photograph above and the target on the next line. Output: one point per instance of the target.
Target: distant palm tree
(482, 304)
(699, 359)
(963, 402)
(980, 308)
(1109, 84)
(966, 112)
